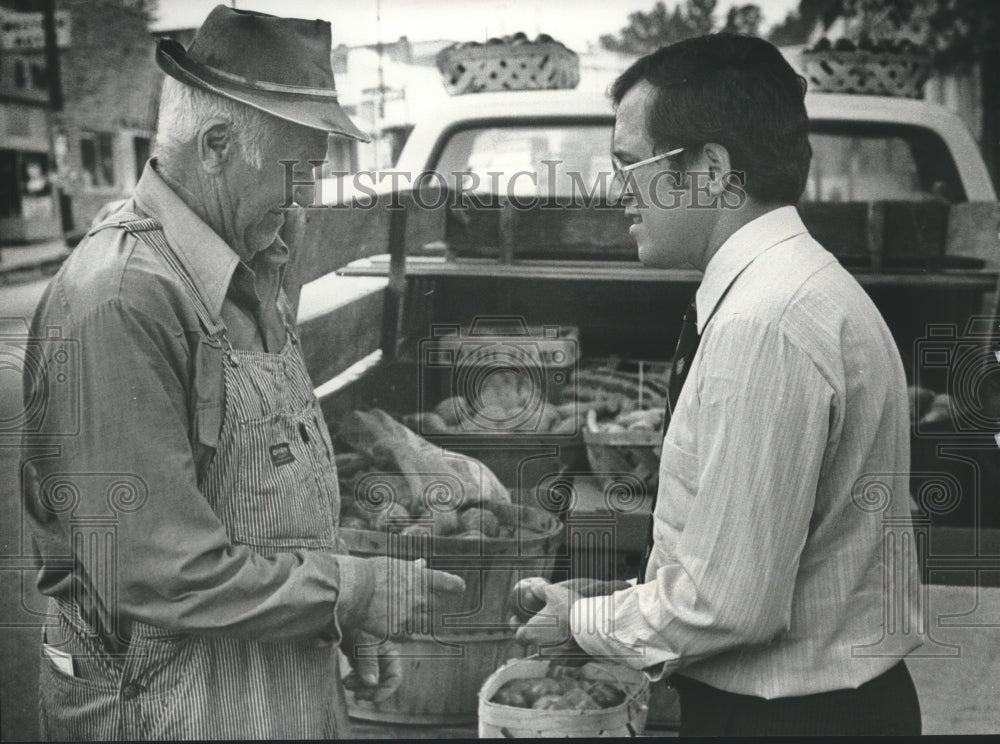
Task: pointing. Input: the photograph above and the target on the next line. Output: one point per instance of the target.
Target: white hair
(184, 109)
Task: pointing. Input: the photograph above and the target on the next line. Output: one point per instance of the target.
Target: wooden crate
(508, 66)
(867, 73)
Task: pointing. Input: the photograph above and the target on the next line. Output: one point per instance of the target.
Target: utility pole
(52, 55)
(381, 52)
(54, 76)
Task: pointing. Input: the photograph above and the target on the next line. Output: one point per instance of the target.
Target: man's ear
(215, 145)
(716, 158)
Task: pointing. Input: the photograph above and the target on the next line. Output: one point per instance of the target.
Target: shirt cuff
(356, 587)
(591, 621)
(601, 629)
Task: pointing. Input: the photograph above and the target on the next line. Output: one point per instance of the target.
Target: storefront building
(59, 167)
(29, 208)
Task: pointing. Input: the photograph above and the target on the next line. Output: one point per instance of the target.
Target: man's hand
(399, 595)
(550, 630)
(527, 598)
(377, 670)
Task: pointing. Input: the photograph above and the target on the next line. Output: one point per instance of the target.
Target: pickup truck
(516, 224)
(898, 191)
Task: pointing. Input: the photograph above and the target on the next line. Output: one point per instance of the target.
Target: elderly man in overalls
(215, 606)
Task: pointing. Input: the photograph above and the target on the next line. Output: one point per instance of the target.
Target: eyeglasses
(621, 171)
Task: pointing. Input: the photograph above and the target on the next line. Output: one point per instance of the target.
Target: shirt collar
(205, 256)
(741, 249)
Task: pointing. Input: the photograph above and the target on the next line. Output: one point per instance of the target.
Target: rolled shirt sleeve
(173, 560)
(762, 421)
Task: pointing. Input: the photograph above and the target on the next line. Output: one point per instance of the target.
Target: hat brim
(321, 112)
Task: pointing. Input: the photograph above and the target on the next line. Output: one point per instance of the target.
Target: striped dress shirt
(783, 561)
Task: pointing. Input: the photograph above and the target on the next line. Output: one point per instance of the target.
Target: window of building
(39, 77)
(35, 177)
(25, 184)
(98, 159)
(10, 194)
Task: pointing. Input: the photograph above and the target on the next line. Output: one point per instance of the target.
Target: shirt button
(131, 691)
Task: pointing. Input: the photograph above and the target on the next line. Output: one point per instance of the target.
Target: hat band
(177, 54)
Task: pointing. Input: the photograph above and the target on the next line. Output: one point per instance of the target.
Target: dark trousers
(886, 705)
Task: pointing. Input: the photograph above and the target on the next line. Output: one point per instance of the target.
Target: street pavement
(25, 271)
(25, 257)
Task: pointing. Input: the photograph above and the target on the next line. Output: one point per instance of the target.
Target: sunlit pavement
(21, 286)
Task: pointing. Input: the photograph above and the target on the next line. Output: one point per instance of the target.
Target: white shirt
(783, 560)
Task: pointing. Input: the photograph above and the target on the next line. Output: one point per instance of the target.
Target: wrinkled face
(658, 197)
(263, 189)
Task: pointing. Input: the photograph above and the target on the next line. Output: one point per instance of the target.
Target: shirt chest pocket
(285, 487)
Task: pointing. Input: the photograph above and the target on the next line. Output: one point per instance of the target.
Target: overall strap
(150, 232)
(209, 380)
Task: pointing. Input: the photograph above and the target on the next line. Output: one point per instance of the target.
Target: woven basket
(504, 721)
(443, 668)
(496, 67)
(868, 73)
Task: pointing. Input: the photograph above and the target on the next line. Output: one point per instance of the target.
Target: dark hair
(737, 91)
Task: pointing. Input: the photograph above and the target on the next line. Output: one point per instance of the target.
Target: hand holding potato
(549, 629)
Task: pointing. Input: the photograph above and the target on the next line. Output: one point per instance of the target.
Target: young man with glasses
(771, 596)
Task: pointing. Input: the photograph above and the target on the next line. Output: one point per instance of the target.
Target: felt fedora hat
(277, 65)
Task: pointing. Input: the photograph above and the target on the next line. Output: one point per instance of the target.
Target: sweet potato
(445, 523)
(549, 418)
(551, 702)
(543, 686)
(527, 598)
(453, 410)
(479, 519)
(349, 463)
(921, 400)
(426, 423)
(513, 693)
(353, 523)
(577, 699)
(569, 425)
(384, 458)
(381, 520)
(417, 530)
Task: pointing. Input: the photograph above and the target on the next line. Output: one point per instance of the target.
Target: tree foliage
(955, 30)
(743, 19)
(799, 23)
(647, 31)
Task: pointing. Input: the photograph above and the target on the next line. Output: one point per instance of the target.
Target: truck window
(851, 161)
(867, 162)
(524, 161)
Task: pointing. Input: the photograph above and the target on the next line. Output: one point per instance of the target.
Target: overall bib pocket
(278, 502)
